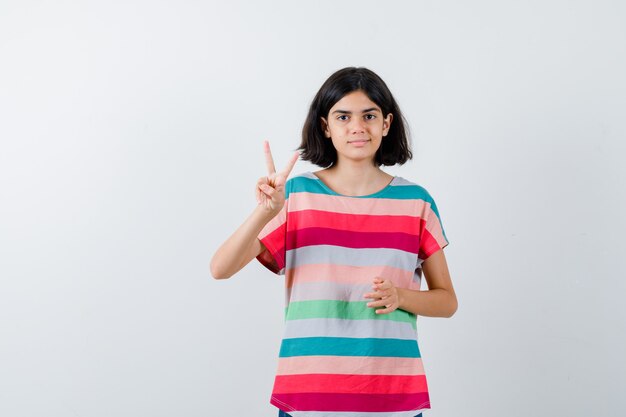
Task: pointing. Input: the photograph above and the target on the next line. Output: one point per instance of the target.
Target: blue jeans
(281, 413)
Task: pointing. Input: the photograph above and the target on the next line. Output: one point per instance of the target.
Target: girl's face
(356, 126)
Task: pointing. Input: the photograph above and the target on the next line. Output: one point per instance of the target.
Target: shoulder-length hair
(319, 150)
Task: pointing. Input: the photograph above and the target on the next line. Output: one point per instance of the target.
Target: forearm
(431, 303)
(238, 249)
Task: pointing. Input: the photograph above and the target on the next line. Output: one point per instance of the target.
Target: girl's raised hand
(270, 190)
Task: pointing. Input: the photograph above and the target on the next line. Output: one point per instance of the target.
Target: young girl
(352, 242)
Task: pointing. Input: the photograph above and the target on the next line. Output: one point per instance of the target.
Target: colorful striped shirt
(337, 356)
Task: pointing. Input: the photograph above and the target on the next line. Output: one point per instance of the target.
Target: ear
(325, 127)
(387, 124)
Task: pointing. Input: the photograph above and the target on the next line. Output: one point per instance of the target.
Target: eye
(369, 116)
(342, 117)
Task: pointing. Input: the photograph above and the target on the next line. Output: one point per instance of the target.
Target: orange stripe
(350, 384)
(354, 222)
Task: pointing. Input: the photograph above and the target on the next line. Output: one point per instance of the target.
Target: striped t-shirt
(337, 356)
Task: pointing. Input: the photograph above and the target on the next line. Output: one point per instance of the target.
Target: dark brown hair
(319, 150)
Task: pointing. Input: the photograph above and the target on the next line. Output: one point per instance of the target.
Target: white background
(131, 139)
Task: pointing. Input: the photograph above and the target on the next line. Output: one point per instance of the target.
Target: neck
(357, 177)
(355, 173)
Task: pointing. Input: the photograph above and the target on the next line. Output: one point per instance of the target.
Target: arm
(243, 245)
(438, 301)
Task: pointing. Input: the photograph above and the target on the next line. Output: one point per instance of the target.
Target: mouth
(359, 141)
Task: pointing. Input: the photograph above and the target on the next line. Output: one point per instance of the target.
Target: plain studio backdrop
(131, 141)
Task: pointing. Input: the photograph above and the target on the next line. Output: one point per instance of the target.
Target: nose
(357, 125)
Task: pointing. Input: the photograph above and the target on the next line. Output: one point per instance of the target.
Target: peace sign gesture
(270, 190)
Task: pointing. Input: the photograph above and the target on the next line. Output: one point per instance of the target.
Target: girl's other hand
(270, 190)
(386, 295)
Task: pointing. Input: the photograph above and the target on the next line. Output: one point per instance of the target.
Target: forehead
(354, 102)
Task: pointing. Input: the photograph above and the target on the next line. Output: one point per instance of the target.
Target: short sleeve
(432, 234)
(274, 237)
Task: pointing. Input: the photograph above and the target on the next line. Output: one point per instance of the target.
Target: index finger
(269, 161)
(291, 163)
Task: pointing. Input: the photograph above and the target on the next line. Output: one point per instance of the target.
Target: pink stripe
(433, 225)
(351, 205)
(346, 384)
(273, 237)
(356, 222)
(351, 402)
(347, 274)
(428, 245)
(275, 223)
(350, 365)
(348, 239)
(274, 242)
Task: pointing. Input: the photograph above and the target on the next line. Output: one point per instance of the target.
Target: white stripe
(384, 329)
(339, 255)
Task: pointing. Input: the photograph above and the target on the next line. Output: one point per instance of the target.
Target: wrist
(401, 297)
(264, 213)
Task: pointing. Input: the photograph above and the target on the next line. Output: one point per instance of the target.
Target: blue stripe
(346, 346)
(404, 192)
(433, 207)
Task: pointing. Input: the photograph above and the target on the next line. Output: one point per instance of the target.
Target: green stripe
(352, 310)
(347, 346)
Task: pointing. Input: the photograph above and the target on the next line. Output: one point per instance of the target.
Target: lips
(359, 141)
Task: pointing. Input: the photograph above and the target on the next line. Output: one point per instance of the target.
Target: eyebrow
(363, 111)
